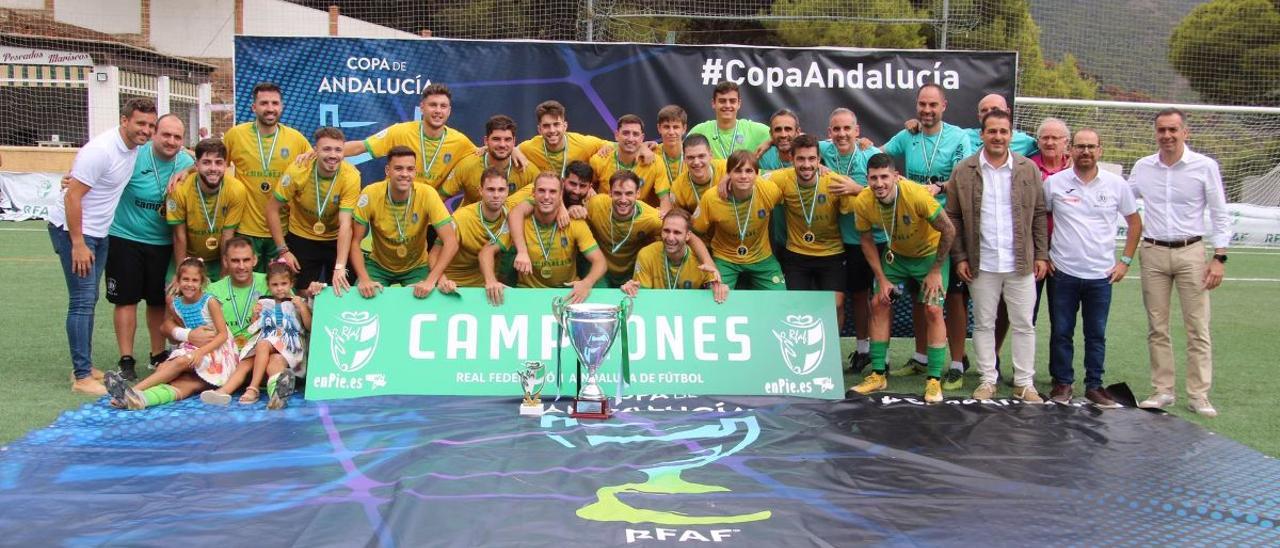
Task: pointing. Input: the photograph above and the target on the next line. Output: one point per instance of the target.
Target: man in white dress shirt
(79, 228)
(1177, 185)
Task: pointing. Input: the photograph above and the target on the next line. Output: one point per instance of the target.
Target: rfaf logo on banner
(353, 342)
(802, 342)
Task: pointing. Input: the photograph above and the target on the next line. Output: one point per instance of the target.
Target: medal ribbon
(813, 204)
(265, 159)
(422, 143)
(315, 176)
(725, 151)
(671, 276)
(564, 158)
(399, 219)
(484, 223)
(204, 209)
(537, 227)
(635, 212)
(742, 224)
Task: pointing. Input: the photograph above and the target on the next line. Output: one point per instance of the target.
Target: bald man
(1020, 142)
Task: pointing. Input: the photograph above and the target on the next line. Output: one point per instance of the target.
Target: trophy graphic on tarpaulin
(592, 328)
(532, 380)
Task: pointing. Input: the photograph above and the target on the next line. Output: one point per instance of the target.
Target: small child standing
(189, 368)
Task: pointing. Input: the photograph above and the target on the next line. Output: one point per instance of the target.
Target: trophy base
(590, 409)
(534, 410)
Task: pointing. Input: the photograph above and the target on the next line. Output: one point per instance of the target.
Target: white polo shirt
(1085, 218)
(105, 165)
(996, 239)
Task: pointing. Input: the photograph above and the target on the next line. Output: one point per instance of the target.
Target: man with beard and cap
(920, 237)
(1087, 203)
(437, 146)
(260, 151)
(321, 194)
(554, 250)
(141, 243)
(205, 208)
(654, 186)
(499, 142)
(395, 213)
(78, 228)
(669, 264)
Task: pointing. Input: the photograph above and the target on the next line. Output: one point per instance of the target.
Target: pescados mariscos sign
(682, 342)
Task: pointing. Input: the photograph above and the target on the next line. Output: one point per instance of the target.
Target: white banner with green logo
(682, 342)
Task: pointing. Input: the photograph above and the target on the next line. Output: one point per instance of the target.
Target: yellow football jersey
(246, 151)
(655, 271)
(465, 178)
(475, 232)
(206, 216)
(553, 252)
(579, 147)
(653, 177)
(621, 240)
(673, 166)
(906, 220)
(435, 156)
(739, 229)
(812, 214)
(400, 228)
(314, 201)
(687, 194)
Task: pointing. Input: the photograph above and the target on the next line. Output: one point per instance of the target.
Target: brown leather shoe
(89, 386)
(1101, 398)
(1061, 393)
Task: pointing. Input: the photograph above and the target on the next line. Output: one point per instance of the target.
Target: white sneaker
(1202, 407)
(1157, 401)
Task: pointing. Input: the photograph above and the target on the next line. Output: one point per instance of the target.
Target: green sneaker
(953, 379)
(912, 367)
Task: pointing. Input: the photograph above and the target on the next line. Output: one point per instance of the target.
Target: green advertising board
(682, 342)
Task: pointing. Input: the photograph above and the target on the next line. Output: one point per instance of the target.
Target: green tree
(1008, 25)
(833, 30)
(1230, 51)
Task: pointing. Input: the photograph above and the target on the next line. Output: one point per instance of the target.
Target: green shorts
(388, 278)
(763, 274)
(913, 269)
(263, 248)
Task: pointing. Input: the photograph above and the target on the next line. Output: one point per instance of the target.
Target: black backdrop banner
(364, 85)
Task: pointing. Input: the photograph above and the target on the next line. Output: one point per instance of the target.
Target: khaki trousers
(1164, 269)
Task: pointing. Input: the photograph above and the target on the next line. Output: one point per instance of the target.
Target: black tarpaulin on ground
(452, 471)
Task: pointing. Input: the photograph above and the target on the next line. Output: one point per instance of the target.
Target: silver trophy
(532, 381)
(592, 328)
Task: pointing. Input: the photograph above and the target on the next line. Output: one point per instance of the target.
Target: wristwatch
(1221, 258)
(1127, 260)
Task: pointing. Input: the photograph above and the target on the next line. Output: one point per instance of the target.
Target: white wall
(22, 4)
(193, 29)
(207, 28)
(111, 17)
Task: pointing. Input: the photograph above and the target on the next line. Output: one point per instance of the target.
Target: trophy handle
(558, 309)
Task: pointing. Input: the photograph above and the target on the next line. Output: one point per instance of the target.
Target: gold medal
(545, 272)
(240, 340)
(888, 256)
(401, 251)
(742, 251)
(808, 237)
(211, 242)
(163, 211)
(318, 228)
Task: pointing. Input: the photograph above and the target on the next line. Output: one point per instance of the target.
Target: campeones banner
(364, 85)
(682, 342)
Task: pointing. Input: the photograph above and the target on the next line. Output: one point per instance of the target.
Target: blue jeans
(1067, 295)
(83, 297)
